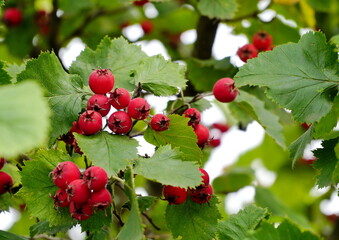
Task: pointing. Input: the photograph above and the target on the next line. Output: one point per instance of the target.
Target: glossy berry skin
(138, 109)
(221, 126)
(2, 162)
(78, 191)
(147, 26)
(174, 195)
(194, 116)
(140, 2)
(101, 199)
(201, 194)
(120, 122)
(262, 41)
(61, 198)
(224, 90)
(101, 81)
(160, 122)
(65, 173)
(202, 133)
(119, 98)
(6, 182)
(99, 103)
(80, 212)
(90, 122)
(247, 51)
(205, 177)
(12, 17)
(96, 178)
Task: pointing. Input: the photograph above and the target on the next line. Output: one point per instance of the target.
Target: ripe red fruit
(224, 90)
(6, 182)
(78, 191)
(140, 2)
(205, 177)
(90, 122)
(147, 26)
(201, 194)
(101, 199)
(61, 198)
(95, 177)
(262, 41)
(120, 98)
(215, 142)
(80, 212)
(65, 173)
(99, 103)
(202, 133)
(221, 126)
(12, 17)
(247, 51)
(174, 195)
(120, 122)
(101, 81)
(42, 20)
(194, 116)
(138, 108)
(160, 122)
(305, 125)
(2, 162)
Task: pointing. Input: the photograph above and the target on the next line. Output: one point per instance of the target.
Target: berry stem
(149, 219)
(196, 98)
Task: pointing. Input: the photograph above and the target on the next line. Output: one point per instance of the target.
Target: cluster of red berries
(218, 129)
(6, 181)
(83, 192)
(201, 194)
(262, 42)
(200, 130)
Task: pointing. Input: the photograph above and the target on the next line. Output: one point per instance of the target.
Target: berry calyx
(90, 122)
(80, 212)
(61, 198)
(221, 126)
(262, 41)
(147, 26)
(99, 103)
(201, 194)
(12, 17)
(194, 116)
(247, 51)
(101, 199)
(119, 98)
(202, 133)
(138, 109)
(160, 122)
(224, 90)
(65, 173)
(174, 195)
(120, 122)
(96, 178)
(78, 191)
(205, 177)
(101, 81)
(6, 182)
(2, 162)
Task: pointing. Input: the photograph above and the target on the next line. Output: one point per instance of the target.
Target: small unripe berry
(202, 133)
(2, 162)
(205, 177)
(174, 195)
(12, 17)
(90, 122)
(120, 122)
(138, 109)
(101, 81)
(224, 90)
(6, 182)
(101, 199)
(65, 173)
(120, 98)
(78, 191)
(160, 122)
(96, 178)
(201, 194)
(80, 212)
(99, 103)
(194, 116)
(147, 26)
(247, 51)
(61, 198)
(262, 41)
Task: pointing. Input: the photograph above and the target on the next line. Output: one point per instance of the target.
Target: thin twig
(196, 98)
(149, 219)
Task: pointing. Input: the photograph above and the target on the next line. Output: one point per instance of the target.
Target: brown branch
(196, 98)
(149, 219)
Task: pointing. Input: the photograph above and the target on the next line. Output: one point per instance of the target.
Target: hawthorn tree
(63, 162)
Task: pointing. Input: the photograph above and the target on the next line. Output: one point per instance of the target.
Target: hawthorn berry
(61, 198)
(160, 122)
(12, 16)
(101, 81)
(96, 178)
(221, 126)
(174, 195)
(80, 212)
(202, 133)
(140, 2)
(224, 90)
(120, 122)
(6, 182)
(90, 122)
(99, 103)
(2, 162)
(215, 142)
(147, 26)
(138, 109)
(205, 177)
(78, 191)
(262, 41)
(119, 98)
(42, 20)
(201, 194)
(247, 51)
(101, 199)
(65, 173)
(194, 116)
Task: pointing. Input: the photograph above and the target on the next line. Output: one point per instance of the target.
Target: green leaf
(63, 90)
(193, 221)
(97, 221)
(11, 236)
(327, 163)
(238, 226)
(43, 227)
(5, 202)
(201, 105)
(5, 78)
(179, 135)
(145, 202)
(24, 118)
(178, 173)
(324, 5)
(297, 148)
(299, 76)
(14, 69)
(222, 9)
(111, 152)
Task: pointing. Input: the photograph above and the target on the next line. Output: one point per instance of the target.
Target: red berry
(140, 2)
(262, 41)
(96, 178)
(247, 51)
(194, 116)
(80, 212)
(205, 177)
(65, 173)
(78, 191)
(12, 16)
(120, 122)
(201, 194)
(215, 142)
(101, 199)
(120, 98)
(224, 90)
(202, 134)
(99, 103)
(6, 182)
(138, 108)
(42, 20)
(160, 122)
(174, 195)
(61, 198)
(308, 161)
(147, 26)
(101, 81)
(90, 122)
(305, 125)
(2, 162)
(221, 126)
